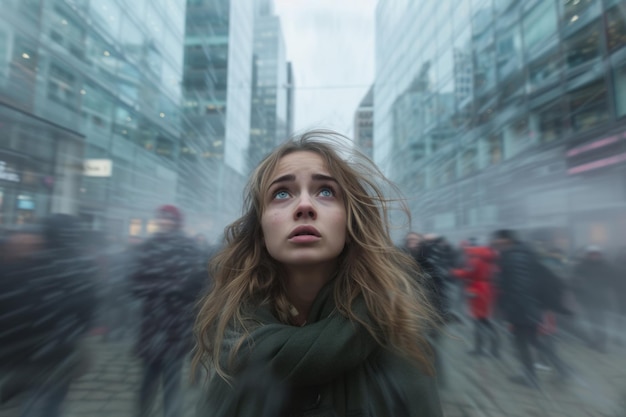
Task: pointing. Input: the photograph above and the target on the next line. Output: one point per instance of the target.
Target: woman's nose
(305, 209)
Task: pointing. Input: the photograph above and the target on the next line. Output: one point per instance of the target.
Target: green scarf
(330, 367)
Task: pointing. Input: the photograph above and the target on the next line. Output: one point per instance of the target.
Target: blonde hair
(370, 265)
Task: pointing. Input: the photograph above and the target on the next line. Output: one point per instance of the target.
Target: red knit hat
(170, 212)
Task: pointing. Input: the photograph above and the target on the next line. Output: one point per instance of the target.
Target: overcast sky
(331, 45)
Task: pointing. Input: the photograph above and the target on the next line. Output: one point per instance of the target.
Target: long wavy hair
(371, 266)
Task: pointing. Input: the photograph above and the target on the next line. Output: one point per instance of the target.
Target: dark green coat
(330, 367)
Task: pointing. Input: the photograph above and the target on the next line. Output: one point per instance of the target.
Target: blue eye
(327, 192)
(281, 195)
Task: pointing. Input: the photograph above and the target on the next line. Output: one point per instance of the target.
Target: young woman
(314, 311)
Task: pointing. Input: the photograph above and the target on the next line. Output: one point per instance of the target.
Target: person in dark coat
(520, 305)
(430, 254)
(168, 278)
(594, 278)
(47, 303)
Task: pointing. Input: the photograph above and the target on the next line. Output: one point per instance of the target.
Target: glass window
(583, 47)
(484, 70)
(509, 47)
(516, 137)
(67, 32)
(463, 69)
(4, 56)
(445, 67)
(101, 54)
(548, 122)
(97, 106)
(469, 162)
(154, 60)
(62, 86)
(578, 12)
(30, 8)
(502, 5)
(545, 69)
(616, 27)
(588, 107)
(619, 76)
(445, 173)
(134, 8)
(25, 53)
(540, 23)
(133, 38)
(107, 13)
(173, 47)
(154, 23)
(147, 135)
(126, 123)
(461, 17)
(165, 147)
(512, 88)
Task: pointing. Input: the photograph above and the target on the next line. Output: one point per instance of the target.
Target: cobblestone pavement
(475, 387)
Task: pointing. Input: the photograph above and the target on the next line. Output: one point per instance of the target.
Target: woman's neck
(302, 288)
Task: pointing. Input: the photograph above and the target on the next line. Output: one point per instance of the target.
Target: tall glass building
(364, 124)
(90, 95)
(269, 124)
(217, 91)
(499, 113)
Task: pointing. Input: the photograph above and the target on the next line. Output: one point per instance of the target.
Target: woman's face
(304, 220)
(412, 241)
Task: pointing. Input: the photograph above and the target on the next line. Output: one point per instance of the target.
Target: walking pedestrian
(519, 289)
(168, 279)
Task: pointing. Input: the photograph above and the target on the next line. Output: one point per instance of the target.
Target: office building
(505, 114)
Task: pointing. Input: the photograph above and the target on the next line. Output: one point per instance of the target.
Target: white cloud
(331, 45)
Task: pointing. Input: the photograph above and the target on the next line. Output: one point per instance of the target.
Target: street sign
(98, 167)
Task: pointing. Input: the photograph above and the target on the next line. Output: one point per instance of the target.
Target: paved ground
(480, 387)
(476, 387)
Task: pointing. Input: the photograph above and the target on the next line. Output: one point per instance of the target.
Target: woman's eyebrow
(322, 177)
(292, 177)
(284, 178)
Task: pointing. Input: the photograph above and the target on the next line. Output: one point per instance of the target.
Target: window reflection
(575, 11)
(509, 50)
(97, 107)
(545, 69)
(469, 161)
(619, 88)
(588, 107)
(583, 46)
(548, 122)
(539, 24)
(516, 136)
(616, 27)
(62, 86)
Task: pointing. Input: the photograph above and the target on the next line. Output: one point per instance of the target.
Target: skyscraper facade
(364, 124)
(270, 90)
(90, 110)
(217, 93)
(504, 113)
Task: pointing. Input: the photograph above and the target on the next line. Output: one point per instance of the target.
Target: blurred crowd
(528, 292)
(59, 284)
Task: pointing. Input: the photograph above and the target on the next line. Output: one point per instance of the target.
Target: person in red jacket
(477, 276)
